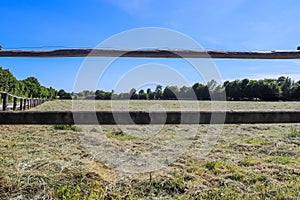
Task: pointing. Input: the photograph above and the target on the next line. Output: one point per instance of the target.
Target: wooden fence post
(5, 100)
(21, 104)
(15, 103)
(24, 107)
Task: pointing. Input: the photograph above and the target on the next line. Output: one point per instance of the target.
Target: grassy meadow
(248, 161)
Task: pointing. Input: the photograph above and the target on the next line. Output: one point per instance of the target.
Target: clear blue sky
(214, 24)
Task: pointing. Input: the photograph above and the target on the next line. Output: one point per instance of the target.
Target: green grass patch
(220, 167)
(119, 135)
(257, 141)
(227, 193)
(67, 127)
(294, 133)
(253, 178)
(80, 191)
(284, 160)
(249, 161)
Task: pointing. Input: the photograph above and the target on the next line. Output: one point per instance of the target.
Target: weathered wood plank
(21, 104)
(5, 101)
(141, 117)
(154, 53)
(15, 103)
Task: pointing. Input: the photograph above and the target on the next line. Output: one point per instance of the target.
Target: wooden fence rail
(156, 117)
(152, 53)
(24, 103)
(140, 117)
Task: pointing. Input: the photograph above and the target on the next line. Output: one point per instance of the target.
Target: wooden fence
(152, 53)
(140, 117)
(19, 103)
(155, 117)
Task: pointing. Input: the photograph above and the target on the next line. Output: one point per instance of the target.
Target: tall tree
(8, 82)
(33, 87)
(142, 94)
(285, 84)
(150, 94)
(63, 94)
(201, 91)
(158, 92)
(133, 94)
(170, 92)
(186, 93)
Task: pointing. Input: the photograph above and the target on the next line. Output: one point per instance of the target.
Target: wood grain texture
(141, 117)
(155, 53)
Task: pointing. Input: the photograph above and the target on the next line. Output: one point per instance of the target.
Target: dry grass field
(55, 162)
(166, 105)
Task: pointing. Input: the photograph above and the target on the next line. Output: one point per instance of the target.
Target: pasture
(247, 161)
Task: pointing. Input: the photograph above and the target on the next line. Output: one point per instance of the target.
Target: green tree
(170, 92)
(158, 92)
(8, 82)
(252, 90)
(295, 91)
(268, 90)
(133, 94)
(151, 95)
(32, 87)
(186, 93)
(142, 94)
(63, 94)
(20, 89)
(285, 84)
(234, 90)
(44, 93)
(52, 93)
(101, 94)
(201, 91)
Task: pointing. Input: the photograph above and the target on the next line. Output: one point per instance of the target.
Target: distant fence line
(19, 103)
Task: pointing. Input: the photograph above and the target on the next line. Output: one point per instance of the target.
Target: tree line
(283, 88)
(29, 87)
